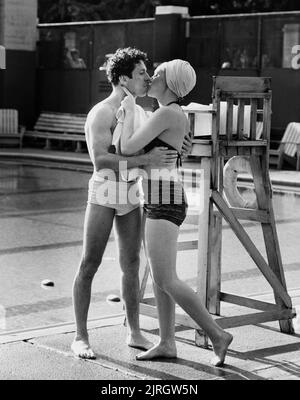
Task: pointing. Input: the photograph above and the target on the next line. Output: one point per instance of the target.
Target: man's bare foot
(220, 349)
(159, 351)
(81, 348)
(138, 341)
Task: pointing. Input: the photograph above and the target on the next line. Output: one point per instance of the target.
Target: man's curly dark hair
(123, 62)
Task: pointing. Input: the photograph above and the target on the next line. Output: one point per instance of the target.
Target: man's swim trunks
(122, 196)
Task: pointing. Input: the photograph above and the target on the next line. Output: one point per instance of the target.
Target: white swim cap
(180, 77)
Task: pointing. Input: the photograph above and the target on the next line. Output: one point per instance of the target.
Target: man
(125, 68)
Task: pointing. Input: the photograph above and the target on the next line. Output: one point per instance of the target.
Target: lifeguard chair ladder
(240, 91)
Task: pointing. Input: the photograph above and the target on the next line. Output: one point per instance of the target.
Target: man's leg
(128, 230)
(97, 227)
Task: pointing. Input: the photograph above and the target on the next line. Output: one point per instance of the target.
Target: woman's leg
(128, 232)
(161, 238)
(166, 317)
(166, 347)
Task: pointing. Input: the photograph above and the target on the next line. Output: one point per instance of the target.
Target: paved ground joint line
(277, 366)
(70, 355)
(64, 328)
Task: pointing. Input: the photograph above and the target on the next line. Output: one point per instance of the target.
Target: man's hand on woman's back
(162, 157)
(186, 146)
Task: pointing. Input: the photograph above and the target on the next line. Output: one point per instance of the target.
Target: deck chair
(10, 131)
(289, 146)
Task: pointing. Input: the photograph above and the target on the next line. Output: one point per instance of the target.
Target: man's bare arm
(99, 138)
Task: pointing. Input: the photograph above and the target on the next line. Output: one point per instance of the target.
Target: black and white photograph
(149, 194)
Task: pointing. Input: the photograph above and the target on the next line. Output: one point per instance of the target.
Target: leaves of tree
(90, 10)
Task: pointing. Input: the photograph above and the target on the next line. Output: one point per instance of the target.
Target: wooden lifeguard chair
(236, 92)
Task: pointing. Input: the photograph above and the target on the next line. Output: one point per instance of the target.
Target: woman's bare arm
(99, 139)
(134, 141)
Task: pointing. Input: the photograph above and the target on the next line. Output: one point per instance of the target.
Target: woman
(165, 208)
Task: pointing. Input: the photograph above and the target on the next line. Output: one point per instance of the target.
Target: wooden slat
(242, 95)
(59, 122)
(62, 126)
(191, 117)
(187, 245)
(203, 226)
(60, 114)
(253, 119)
(267, 120)
(251, 215)
(259, 111)
(49, 135)
(240, 119)
(196, 111)
(247, 302)
(43, 121)
(214, 265)
(229, 119)
(59, 130)
(61, 118)
(244, 143)
(263, 189)
(226, 322)
(215, 137)
(259, 130)
(203, 142)
(255, 318)
(251, 249)
(242, 84)
(232, 151)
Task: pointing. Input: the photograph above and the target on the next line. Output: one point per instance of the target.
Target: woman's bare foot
(159, 351)
(81, 348)
(220, 349)
(138, 341)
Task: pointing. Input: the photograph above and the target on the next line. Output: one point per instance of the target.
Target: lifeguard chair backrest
(239, 92)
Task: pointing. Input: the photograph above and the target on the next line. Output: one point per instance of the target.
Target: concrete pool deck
(258, 352)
